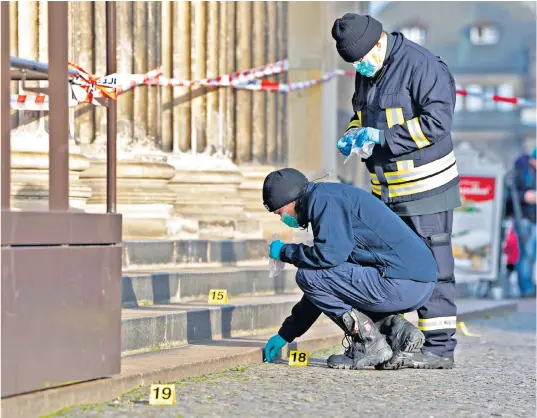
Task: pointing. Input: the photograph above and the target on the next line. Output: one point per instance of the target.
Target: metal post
(4, 108)
(59, 110)
(111, 111)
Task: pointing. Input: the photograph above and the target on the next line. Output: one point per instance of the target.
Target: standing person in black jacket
(403, 107)
(365, 265)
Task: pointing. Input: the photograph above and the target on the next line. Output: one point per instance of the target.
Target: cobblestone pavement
(494, 376)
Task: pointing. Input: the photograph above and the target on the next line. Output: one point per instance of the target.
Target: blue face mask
(290, 221)
(366, 67)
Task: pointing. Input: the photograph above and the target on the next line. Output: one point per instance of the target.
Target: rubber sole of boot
(403, 361)
(381, 357)
(412, 343)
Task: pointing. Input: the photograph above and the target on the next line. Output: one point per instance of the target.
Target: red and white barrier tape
(225, 80)
(34, 102)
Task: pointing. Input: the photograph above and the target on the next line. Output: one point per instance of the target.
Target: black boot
(402, 336)
(422, 360)
(367, 346)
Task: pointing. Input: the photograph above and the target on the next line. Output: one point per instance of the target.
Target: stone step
(142, 288)
(165, 253)
(178, 324)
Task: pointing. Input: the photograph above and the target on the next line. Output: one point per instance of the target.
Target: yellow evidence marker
(162, 395)
(464, 330)
(218, 296)
(298, 358)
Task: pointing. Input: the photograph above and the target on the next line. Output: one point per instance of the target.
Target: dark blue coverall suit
(363, 257)
(413, 170)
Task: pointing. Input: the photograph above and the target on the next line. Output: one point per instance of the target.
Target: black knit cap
(282, 187)
(355, 35)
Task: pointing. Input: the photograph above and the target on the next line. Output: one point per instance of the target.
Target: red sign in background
(477, 189)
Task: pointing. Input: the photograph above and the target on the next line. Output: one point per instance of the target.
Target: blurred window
(484, 35)
(459, 103)
(415, 34)
(474, 100)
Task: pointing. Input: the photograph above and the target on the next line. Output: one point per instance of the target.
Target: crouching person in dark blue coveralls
(365, 266)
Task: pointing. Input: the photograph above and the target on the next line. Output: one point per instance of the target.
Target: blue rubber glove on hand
(367, 134)
(357, 137)
(274, 345)
(275, 248)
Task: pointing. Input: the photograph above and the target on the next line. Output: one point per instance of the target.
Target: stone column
(125, 105)
(14, 52)
(259, 97)
(141, 47)
(181, 70)
(82, 55)
(231, 66)
(153, 61)
(243, 150)
(223, 134)
(28, 48)
(166, 52)
(281, 133)
(212, 121)
(199, 42)
(272, 56)
(99, 31)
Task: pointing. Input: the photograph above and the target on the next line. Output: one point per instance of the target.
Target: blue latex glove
(274, 345)
(275, 248)
(367, 134)
(357, 137)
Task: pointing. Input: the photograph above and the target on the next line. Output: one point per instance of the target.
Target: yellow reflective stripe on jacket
(394, 116)
(376, 189)
(433, 324)
(416, 133)
(410, 173)
(357, 123)
(421, 185)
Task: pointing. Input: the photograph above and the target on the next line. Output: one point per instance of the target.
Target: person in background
(526, 189)
(511, 249)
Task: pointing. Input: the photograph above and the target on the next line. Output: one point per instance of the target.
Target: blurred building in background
(490, 48)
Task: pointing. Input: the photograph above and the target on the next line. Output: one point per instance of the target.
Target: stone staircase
(166, 284)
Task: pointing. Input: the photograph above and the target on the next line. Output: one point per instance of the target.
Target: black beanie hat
(355, 35)
(282, 187)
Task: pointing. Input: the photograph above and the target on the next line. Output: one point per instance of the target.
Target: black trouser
(438, 317)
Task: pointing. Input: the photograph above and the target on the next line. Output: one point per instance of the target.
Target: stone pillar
(153, 61)
(230, 93)
(223, 134)
(213, 118)
(243, 149)
(30, 171)
(99, 31)
(181, 70)
(272, 56)
(166, 53)
(199, 42)
(125, 104)
(141, 47)
(259, 97)
(282, 104)
(82, 55)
